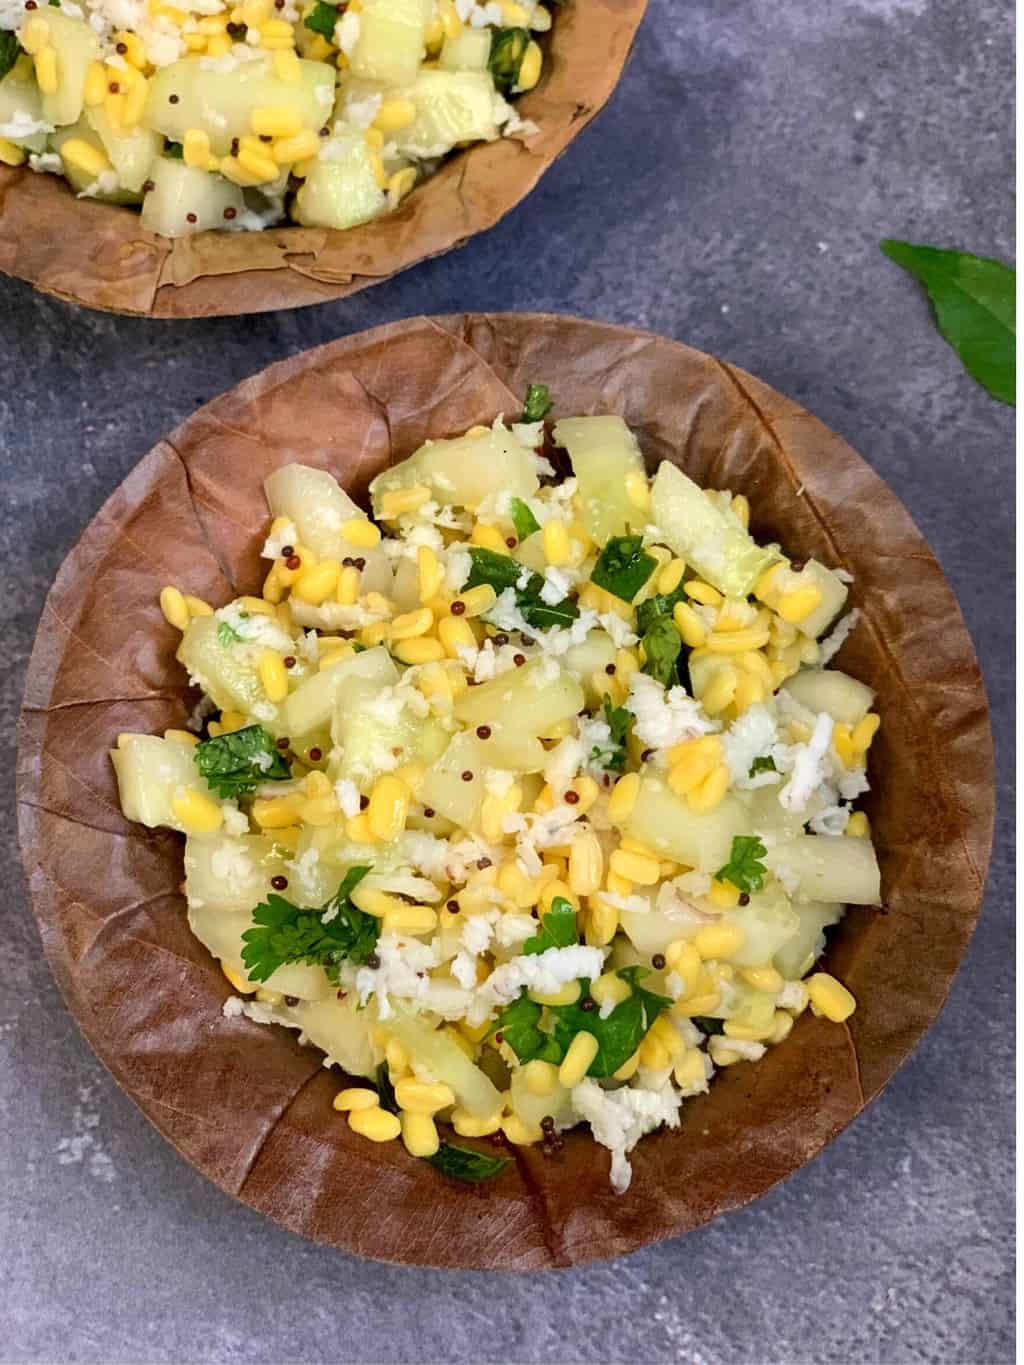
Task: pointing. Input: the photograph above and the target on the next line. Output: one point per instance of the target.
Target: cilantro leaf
(322, 19)
(386, 1091)
(236, 763)
(502, 571)
(558, 929)
(538, 396)
(661, 604)
(763, 764)
(744, 868)
(283, 933)
(508, 48)
(523, 519)
(10, 51)
(226, 634)
(519, 1026)
(621, 1033)
(623, 567)
(464, 1163)
(662, 647)
(613, 754)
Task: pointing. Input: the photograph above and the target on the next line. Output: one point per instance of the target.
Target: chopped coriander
(538, 403)
(613, 754)
(284, 933)
(661, 604)
(508, 48)
(519, 1026)
(322, 19)
(763, 764)
(464, 1163)
(662, 647)
(745, 869)
(558, 929)
(10, 51)
(386, 1091)
(236, 763)
(523, 519)
(502, 571)
(621, 1033)
(623, 567)
(227, 634)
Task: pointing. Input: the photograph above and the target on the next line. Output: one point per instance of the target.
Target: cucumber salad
(529, 799)
(212, 115)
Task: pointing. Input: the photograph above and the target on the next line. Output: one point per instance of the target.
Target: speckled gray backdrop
(731, 196)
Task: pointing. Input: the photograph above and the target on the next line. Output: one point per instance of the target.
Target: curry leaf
(464, 1163)
(973, 298)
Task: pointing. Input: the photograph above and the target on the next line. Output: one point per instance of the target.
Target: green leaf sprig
(745, 869)
(558, 929)
(519, 1026)
(322, 19)
(10, 51)
(974, 298)
(284, 933)
(235, 764)
(523, 519)
(662, 647)
(613, 754)
(508, 48)
(538, 403)
(623, 567)
(502, 571)
(621, 1033)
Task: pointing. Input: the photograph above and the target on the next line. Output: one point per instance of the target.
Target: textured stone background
(732, 196)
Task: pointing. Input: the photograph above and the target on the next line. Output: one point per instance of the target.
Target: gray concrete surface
(731, 196)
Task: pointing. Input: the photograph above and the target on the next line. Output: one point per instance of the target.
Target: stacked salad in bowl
(528, 800)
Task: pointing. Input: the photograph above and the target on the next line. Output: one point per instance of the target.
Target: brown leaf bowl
(100, 255)
(246, 1104)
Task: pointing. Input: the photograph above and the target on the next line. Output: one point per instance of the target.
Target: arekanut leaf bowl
(246, 1104)
(100, 255)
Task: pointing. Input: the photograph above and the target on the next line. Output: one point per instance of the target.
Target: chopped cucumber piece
(185, 199)
(341, 189)
(77, 47)
(188, 94)
(846, 699)
(710, 538)
(464, 471)
(604, 453)
(391, 44)
(21, 103)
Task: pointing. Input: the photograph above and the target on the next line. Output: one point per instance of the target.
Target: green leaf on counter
(974, 302)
